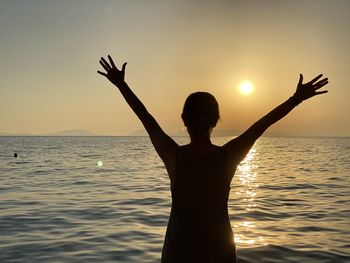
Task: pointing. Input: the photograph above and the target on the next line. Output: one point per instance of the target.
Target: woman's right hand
(114, 75)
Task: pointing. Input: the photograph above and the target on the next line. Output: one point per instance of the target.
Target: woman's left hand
(307, 90)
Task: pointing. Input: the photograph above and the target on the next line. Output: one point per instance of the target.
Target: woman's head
(200, 113)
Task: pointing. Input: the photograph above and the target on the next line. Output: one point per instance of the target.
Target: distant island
(75, 132)
(216, 133)
(141, 132)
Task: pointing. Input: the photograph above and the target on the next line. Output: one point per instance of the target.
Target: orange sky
(50, 51)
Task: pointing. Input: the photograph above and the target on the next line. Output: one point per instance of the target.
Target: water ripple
(289, 200)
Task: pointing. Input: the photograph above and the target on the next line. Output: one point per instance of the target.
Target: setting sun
(246, 87)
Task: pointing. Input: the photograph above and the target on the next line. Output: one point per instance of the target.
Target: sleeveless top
(199, 228)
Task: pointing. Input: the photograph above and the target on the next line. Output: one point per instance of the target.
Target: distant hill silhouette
(141, 132)
(216, 133)
(16, 134)
(75, 132)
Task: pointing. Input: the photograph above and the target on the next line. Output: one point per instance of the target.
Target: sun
(246, 87)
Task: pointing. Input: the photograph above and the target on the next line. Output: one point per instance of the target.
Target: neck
(201, 140)
(201, 144)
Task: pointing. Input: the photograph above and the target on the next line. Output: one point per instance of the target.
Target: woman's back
(199, 228)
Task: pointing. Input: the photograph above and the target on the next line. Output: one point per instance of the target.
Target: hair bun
(200, 112)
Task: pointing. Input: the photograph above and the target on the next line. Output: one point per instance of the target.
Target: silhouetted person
(200, 172)
(15, 155)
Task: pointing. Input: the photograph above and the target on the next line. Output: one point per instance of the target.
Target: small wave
(261, 215)
(22, 162)
(131, 236)
(141, 201)
(278, 254)
(314, 229)
(82, 183)
(41, 171)
(89, 155)
(289, 187)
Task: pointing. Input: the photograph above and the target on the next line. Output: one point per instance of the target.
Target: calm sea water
(107, 199)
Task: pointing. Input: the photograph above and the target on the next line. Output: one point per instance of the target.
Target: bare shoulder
(237, 149)
(231, 144)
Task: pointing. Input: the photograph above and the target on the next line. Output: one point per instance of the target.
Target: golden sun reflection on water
(245, 233)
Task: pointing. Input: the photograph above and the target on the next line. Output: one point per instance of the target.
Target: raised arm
(240, 146)
(164, 144)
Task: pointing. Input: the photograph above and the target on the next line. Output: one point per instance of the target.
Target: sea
(107, 199)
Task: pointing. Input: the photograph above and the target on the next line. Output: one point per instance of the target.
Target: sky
(50, 50)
